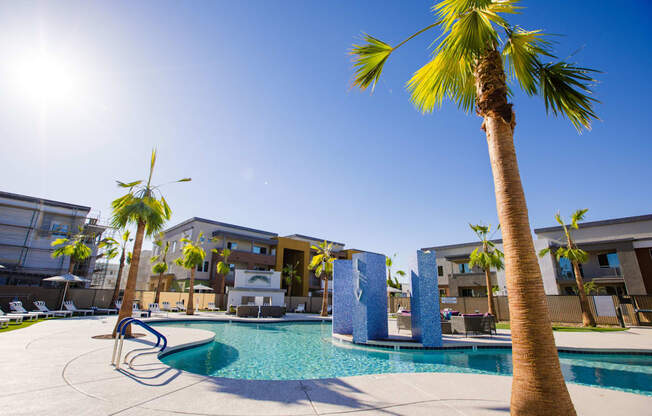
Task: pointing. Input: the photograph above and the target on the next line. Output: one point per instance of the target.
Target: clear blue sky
(252, 100)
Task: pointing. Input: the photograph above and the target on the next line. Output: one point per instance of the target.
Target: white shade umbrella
(202, 287)
(1, 266)
(68, 278)
(393, 290)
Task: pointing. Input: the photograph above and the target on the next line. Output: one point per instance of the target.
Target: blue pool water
(293, 350)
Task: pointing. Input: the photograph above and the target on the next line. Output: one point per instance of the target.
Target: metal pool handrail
(119, 340)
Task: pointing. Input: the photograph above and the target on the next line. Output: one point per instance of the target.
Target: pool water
(301, 350)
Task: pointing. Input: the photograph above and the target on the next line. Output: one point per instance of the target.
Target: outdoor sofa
(268, 311)
(473, 323)
(246, 311)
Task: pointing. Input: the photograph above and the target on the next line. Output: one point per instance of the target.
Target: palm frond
(369, 59)
(566, 90)
(578, 216)
(443, 77)
(521, 54)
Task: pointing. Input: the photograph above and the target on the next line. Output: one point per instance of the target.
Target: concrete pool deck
(56, 368)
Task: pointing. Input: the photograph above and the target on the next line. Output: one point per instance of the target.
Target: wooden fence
(564, 309)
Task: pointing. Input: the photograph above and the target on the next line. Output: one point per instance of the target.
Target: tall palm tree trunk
(324, 299)
(126, 310)
(538, 387)
(158, 288)
(490, 294)
(587, 316)
(71, 266)
(190, 309)
(118, 280)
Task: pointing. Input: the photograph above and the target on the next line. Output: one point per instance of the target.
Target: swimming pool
(305, 350)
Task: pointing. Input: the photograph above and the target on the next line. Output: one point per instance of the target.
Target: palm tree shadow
(330, 392)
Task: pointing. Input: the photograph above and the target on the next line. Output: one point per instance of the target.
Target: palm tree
(73, 247)
(112, 247)
(290, 274)
(576, 256)
(161, 265)
(192, 255)
(490, 257)
(468, 68)
(322, 264)
(223, 268)
(144, 206)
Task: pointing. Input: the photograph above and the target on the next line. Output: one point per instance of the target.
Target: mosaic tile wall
(426, 321)
(370, 297)
(343, 298)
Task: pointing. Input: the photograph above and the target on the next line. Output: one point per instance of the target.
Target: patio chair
(69, 305)
(136, 311)
(301, 308)
(181, 307)
(15, 316)
(4, 323)
(41, 306)
(165, 306)
(250, 311)
(17, 307)
(211, 307)
(155, 309)
(489, 324)
(404, 321)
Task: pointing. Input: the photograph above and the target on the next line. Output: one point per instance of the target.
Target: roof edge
(613, 221)
(28, 198)
(224, 224)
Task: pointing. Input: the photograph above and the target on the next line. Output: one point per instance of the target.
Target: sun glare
(45, 78)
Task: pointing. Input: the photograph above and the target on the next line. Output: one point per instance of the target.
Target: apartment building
(251, 249)
(619, 262)
(28, 226)
(620, 255)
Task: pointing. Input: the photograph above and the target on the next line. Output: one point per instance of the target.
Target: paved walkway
(56, 368)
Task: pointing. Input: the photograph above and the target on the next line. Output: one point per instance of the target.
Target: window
(566, 269)
(274, 251)
(442, 292)
(202, 268)
(466, 292)
(59, 229)
(232, 245)
(260, 250)
(232, 266)
(608, 260)
(464, 268)
(440, 270)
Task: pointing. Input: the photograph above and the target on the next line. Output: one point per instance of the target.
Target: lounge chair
(404, 321)
(268, 311)
(107, 311)
(15, 316)
(301, 308)
(69, 305)
(211, 307)
(247, 311)
(40, 305)
(17, 307)
(155, 309)
(165, 306)
(136, 311)
(4, 323)
(181, 307)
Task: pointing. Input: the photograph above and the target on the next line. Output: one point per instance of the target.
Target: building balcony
(243, 256)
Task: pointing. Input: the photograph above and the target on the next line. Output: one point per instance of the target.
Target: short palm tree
(73, 247)
(192, 255)
(486, 257)
(161, 264)
(576, 256)
(290, 275)
(392, 282)
(144, 206)
(114, 246)
(322, 264)
(223, 268)
(469, 67)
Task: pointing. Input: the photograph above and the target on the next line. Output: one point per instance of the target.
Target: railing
(119, 341)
